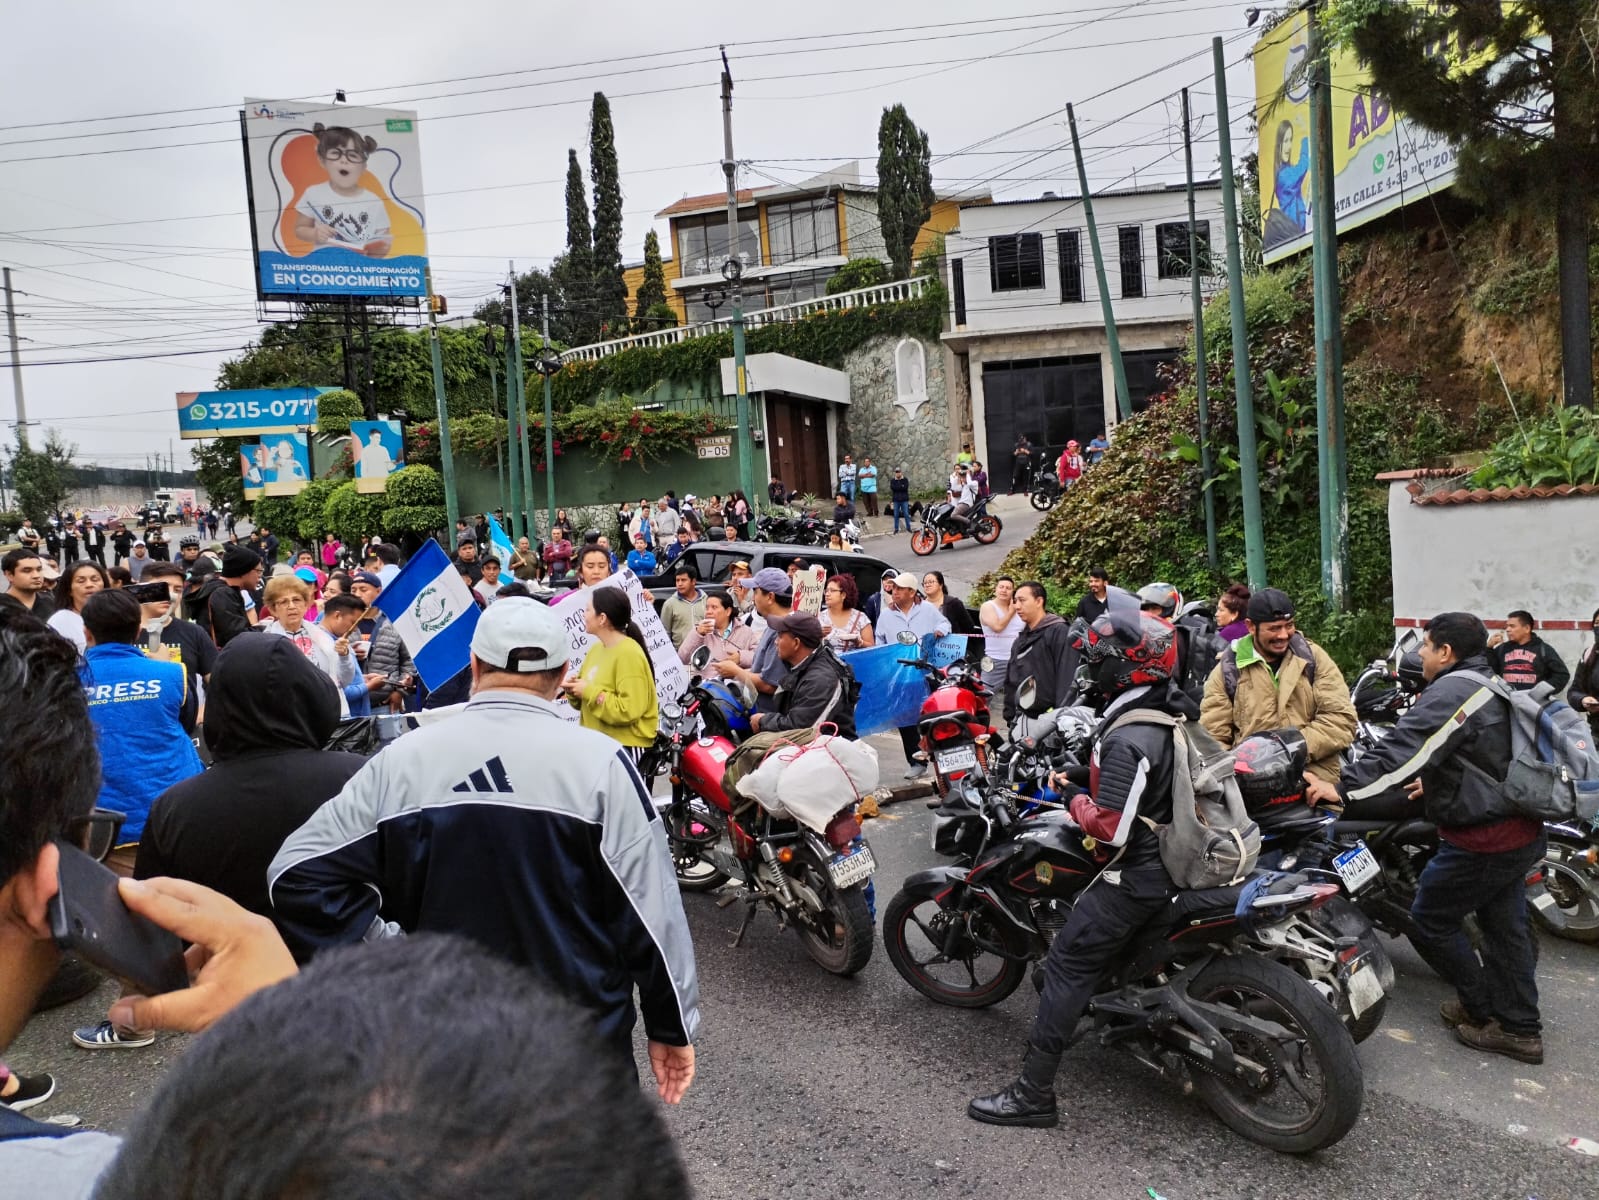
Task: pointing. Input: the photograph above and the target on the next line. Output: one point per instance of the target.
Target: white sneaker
(105, 1036)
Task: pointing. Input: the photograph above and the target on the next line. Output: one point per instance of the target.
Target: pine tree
(610, 292)
(904, 185)
(1513, 86)
(652, 288)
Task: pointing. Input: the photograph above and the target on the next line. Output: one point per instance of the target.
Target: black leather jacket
(817, 691)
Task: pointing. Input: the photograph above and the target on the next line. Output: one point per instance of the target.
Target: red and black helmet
(1123, 650)
(1270, 769)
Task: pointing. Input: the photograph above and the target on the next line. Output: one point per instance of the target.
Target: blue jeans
(902, 508)
(848, 488)
(1457, 883)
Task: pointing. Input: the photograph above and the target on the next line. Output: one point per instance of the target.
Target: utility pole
(1201, 367)
(1330, 458)
(732, 270)
(490, 349)
(549, 422)
(1248, 464)
(16, 363)
(1124, 400)
(514, 454)
(519, 386)
(446, 451)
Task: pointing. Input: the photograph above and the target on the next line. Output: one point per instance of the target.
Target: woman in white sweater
(288, 597)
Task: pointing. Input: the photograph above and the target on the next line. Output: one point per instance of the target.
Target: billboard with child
(335, 200)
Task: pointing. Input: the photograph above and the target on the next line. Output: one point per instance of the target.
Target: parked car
(712, 561)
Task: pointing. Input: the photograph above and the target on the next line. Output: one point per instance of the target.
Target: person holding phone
(728, 639)
(143, 714)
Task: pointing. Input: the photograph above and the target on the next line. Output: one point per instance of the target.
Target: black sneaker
(1493, 1039)
(31, 1090)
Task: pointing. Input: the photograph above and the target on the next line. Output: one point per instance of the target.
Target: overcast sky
(129, 237)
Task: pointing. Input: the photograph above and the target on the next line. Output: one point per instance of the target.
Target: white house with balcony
(1025, 308)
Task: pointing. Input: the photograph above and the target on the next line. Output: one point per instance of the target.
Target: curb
(903, 792)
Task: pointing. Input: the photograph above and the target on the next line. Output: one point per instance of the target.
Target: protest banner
(671, 676)
(808, 586)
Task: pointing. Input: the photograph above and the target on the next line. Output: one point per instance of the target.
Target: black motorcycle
(942, 527)
(1191, 998)
(1045, 492)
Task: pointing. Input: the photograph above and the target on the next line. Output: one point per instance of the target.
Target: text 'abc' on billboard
(336, 205)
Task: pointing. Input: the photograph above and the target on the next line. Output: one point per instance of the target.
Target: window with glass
(702, 241)
(1069, 252)
(1171, 245)
(797, 286)
(802, 229)
(700, 311)
(1016, 261)
(1130, 243)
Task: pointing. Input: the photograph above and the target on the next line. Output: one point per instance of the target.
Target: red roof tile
(692, 203)
(1489, 495)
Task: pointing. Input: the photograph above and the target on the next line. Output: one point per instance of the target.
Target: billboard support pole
(549, 426)
(446, 451)
(1248, 464)
(732, 272)
(1201, 367)
(1124, 400)
(1329, 327)
(518, 507)
(499, 437)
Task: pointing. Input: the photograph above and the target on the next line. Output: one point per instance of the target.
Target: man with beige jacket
(1278, 679)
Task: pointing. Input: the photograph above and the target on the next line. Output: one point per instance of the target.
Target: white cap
(517, 633)
(906, 579)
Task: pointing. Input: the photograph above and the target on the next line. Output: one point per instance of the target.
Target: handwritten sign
(671, 677)
(808, 585)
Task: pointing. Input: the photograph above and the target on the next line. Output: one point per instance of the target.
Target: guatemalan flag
(500, 543)
(434, 613)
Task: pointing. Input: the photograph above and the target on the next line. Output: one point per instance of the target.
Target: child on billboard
(341, 212)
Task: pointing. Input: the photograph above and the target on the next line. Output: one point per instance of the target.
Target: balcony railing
(883, 293)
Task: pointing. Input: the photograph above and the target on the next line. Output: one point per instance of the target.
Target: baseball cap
(770, 579)
(368, 577)
(802, 625)
(906, 579)
(1269, 604)
(517, 633)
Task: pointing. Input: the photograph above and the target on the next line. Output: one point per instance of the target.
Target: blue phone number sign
(247, 412)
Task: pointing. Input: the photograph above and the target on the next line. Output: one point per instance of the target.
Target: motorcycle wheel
(1041, 500)
(913, 932)
(685, 822)
(849, 947)
(986, 531)
(1314, 1093)
(923, 542)
(1574, 887)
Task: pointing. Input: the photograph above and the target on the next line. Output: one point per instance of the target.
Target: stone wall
(876, 425)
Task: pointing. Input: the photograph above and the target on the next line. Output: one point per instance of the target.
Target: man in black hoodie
(1523, 659)
(219, 606)
(1042, 653)
(268, 713)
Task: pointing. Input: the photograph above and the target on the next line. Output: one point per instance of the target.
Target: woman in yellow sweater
(615, 687)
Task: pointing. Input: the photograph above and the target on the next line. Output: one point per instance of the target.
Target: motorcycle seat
(1200, 903)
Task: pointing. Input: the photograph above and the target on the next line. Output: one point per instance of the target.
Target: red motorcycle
(954, 721)
(813, 878)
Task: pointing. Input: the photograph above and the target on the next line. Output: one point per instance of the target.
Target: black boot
(1028, 1101)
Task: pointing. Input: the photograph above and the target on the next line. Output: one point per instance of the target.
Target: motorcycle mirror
(905, 638)
(1027, 692)
(700, 659)
(986, 663)
(1409, 641)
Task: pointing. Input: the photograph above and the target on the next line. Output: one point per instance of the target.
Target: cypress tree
(574, 271)
(652, 288)
(610, 292)
(904, 185)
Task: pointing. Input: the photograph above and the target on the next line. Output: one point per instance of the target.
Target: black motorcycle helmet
(1410, 677)
(1122, 650)
(1270, 768)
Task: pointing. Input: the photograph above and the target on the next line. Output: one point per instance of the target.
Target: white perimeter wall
(1490, 558)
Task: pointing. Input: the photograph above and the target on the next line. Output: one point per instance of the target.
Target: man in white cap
(908, 613)
(509, 824)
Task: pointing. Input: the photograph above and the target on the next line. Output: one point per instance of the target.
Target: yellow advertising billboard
(1380, 159)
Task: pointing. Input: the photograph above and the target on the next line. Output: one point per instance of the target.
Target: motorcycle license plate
(960, 758)
(849, 869)
(1356, 867)
(1365, 989)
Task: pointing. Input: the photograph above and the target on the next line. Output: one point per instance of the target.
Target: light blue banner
(891, 694)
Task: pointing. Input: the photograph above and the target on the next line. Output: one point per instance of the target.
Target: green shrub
(275, 513)
(857, 273)
(1560, 447)
(310, 505)
(335, 410)
(414, 486)
(422, 519)
(352, 515)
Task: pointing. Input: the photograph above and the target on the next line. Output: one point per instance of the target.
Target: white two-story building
(1025, 313)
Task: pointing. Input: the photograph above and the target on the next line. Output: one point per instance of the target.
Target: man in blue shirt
(907, 612)
(1097, 446)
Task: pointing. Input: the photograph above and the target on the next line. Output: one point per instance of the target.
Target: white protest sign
(671, 676)
(808, 585)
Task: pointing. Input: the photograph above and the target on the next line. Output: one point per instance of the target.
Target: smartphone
(88, 916)
(149, 593)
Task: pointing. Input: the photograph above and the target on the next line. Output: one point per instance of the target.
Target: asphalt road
(811, 1086)
(966, 561)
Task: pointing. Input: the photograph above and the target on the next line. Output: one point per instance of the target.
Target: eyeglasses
(340, 154)
(95, 834)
